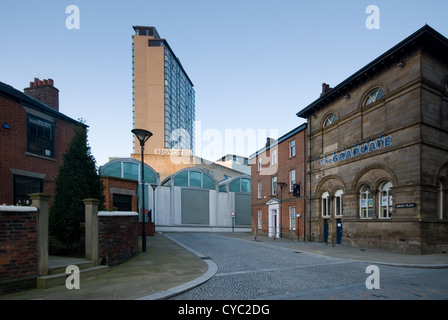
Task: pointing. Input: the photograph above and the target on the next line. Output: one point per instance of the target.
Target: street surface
(255, 270)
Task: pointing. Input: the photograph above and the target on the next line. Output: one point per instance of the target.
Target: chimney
(325, 88)
(45, 92)
(269, 141)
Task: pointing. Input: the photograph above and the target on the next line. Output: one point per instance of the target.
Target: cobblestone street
(255, 270)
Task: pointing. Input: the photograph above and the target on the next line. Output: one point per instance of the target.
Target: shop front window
(338, 203)
(366, 203)
(325, 205)
(385, 201)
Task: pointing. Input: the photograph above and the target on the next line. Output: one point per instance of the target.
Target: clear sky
(254, 63)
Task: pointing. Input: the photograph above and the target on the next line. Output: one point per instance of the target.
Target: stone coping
(117, 214)
(17, 208)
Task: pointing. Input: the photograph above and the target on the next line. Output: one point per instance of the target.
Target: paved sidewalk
(371, 255)
(165, 267)
(169, 268)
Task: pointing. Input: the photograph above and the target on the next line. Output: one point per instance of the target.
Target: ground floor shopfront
(379, 202)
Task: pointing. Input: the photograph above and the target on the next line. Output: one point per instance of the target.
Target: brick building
(277, 175)
(377, 152)
(33, 137)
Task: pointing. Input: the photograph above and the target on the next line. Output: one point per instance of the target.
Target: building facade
(278, 181)
(377, 152)
(163, 94)
(33, 137)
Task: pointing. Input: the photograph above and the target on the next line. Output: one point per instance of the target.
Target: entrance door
(338, 231)
(325, 230)
(273, 226)
(274, 219)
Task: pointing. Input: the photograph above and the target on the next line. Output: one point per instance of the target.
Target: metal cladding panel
(195, 206)
(242, 209)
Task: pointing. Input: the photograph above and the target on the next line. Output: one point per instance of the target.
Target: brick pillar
(40, 201)
(92, 229)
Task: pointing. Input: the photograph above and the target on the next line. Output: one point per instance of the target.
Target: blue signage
(368, 146)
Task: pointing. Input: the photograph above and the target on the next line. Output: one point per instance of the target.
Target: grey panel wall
(195, 206)
(242, 209)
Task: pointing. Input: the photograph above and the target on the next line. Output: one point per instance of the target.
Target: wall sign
(368, 146)
(405, 205)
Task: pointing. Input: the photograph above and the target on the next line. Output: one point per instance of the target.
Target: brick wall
(13, 148)
(118, 238)
(281, 170)
(114, 185)
(18, 248)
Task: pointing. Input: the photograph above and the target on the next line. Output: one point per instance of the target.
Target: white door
(274, 227)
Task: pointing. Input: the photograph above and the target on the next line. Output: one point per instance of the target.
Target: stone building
(377, 152)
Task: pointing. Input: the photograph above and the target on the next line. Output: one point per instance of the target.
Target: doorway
(338, 231)
(273, 219)
(325, 231)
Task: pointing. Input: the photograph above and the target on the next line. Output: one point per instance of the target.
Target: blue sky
(254, 63)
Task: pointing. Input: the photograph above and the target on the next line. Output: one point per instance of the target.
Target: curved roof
(128, 168)
(191, 177)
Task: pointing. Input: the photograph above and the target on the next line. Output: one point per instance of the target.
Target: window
(292, 218)
(274, 186)
(366, 203)
(373, 96)
(190, 178)
(325, 205)
(274, 157)
(23, 186)
(332, 118)
(259, 189)
(195, 179)
(292, 148)
(260, 215)
(245, 185)
(122, 202)
(338, 203)
(259, 164)
(385, 200)
(441, 201)
(40, 137)
(292, 180)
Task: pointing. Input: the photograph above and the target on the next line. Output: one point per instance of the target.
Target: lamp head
(142, 135)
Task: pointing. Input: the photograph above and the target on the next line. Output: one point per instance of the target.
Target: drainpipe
(309, 182)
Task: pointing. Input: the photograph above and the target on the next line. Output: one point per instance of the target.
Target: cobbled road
(255, 270)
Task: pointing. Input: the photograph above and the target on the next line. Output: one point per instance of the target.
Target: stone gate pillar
(92, 229)
(40, 201)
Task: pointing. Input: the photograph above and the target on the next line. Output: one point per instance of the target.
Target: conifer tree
(77, 180)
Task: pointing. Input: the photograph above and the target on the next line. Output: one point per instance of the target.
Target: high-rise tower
(163, 94)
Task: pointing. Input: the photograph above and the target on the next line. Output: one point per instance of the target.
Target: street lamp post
(154, 186)
(143, 136)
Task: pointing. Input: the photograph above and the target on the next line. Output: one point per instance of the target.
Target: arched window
(385, 200)
(338, 203)
(373, 96)
(325, 205)
(239, 185)
(332, 118)
(366, 203)
(194, 178)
